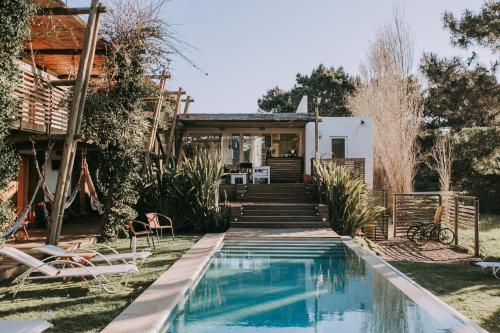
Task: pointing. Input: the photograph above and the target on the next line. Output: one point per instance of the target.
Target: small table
(237, 177)
(73, 256)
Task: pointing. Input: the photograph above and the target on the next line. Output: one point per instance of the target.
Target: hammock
(22, 217)
(84, 174)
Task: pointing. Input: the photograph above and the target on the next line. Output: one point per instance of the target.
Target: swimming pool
(300, 286)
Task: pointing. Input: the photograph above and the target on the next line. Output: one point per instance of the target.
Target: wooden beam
(75, 115)
(188, 101)
(170, 141)
(62, 83)
(68, 11)
(62, 52)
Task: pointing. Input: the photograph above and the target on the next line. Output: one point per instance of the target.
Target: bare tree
(440, 159)
(390, 95)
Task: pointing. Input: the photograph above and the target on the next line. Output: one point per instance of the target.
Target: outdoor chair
(485, 265)
(24, 326)
(49, 270)
(134, 232)
(157, 227)
(98, 257)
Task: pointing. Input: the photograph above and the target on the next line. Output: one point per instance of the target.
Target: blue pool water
(297, 286)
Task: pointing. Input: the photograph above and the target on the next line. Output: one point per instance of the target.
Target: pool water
(297, 286)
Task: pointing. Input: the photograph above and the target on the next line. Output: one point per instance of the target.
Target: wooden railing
(356, 165)
(42, 108)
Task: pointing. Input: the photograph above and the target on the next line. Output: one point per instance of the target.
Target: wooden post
(171, 138)
(456, 220)
(316, 133)
(75, 116)
(476, 227)
(189, 100)
(394, 215)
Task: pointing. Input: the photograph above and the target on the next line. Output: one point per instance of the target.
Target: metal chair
(155, 225)
(133, 233)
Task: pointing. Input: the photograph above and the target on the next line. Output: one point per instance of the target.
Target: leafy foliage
(331, 86)
(478, 147)
(188, 192)
(459, 96)
(114, 112)
(349, 204)
(481, 28)
(15, 16)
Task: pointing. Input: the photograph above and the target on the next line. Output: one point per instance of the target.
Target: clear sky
(248, 47)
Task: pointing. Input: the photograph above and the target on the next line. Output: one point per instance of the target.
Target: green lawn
(81, 306)
(462, 286)
(489, 236)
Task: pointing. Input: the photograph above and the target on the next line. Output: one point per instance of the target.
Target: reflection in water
(338, 292)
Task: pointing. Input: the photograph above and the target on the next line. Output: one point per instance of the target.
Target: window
(338, 147)
(255, 148)
(285, 145)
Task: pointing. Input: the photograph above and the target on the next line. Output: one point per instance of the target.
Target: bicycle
(432, 231)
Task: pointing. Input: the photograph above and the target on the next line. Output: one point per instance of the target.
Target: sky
(248, 47)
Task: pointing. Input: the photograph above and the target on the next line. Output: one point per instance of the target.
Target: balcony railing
(43, 108)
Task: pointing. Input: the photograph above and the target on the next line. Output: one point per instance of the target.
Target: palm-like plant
(349, 205)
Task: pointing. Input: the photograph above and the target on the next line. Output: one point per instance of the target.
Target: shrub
(349, 205)
(188, 192)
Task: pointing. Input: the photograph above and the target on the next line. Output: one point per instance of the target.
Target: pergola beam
(68, 11)
(62, 52)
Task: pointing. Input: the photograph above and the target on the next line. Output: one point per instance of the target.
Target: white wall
(51, 175)
(359, 141)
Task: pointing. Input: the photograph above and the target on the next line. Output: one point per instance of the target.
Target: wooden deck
(73, 235)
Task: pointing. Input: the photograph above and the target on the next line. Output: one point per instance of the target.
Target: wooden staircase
(277, 206)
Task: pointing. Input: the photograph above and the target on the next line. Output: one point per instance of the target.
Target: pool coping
(149, 312)
(433, 305)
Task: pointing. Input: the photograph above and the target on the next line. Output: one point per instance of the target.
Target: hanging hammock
(84, 174)
(19, 223)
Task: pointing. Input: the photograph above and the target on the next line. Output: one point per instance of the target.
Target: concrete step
(275, 200)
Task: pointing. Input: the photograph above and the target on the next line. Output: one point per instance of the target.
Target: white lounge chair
(24, 326)
(124, 257)
(49, 270)
(494, 265)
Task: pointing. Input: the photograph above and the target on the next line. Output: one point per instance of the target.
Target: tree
(458, 95)
(391, 96)
(481, 29)
(464, 93)
(441, 160)
(15, 16)
(114, 117)
(327, 88)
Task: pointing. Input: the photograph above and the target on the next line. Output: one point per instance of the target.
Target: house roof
(53, 37)
(245, 119)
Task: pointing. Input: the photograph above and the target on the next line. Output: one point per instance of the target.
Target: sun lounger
(24, 326)
(50, 270)
(98, 257)
(494, 265)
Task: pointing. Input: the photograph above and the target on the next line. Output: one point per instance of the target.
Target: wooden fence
(461, 214)
(43, 108)
(380, 229)
(355, 165)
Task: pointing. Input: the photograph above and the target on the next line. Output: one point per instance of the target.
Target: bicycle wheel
(420, 237)
(446, 236)
(411, 230)
(434, 233)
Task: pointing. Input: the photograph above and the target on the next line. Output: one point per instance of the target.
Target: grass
(462, 286)
(80, 306)
(489, 236)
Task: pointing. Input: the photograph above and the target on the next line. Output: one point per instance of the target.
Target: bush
(349, 205)
(188, 192)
